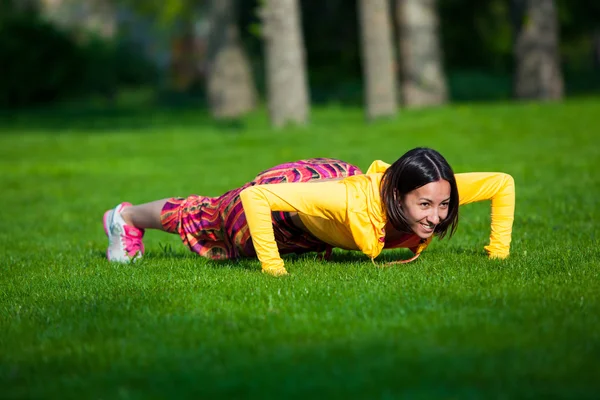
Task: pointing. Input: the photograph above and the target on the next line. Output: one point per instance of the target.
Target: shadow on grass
(193, 355)
(112, 119)
(457, 250)
(362, 370)
(168, 253)
(252, 263)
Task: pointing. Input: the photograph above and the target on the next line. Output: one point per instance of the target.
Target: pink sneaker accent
(124, 241)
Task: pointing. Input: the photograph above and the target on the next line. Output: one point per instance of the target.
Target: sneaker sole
(107, 216)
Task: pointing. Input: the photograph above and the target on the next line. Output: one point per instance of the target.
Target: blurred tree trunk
(230, 83)
(422, 76)
(287, 88)
(538, 73)
(377, 58)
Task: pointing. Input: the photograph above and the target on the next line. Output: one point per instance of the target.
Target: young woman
(319, 204)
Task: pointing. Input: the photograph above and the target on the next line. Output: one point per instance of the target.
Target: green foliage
(39, 62)
(476, 35)
(451, 325)
(111, 64)
(478, 86)
(42, 63)
(166, 12)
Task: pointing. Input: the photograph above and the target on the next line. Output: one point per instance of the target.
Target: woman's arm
(319, 199)
(500, 188)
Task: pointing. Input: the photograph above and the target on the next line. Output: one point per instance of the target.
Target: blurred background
(230, 56)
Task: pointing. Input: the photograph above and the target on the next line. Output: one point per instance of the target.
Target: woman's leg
(145, 216)
(124, 226)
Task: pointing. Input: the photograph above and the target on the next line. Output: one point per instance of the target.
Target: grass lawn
(453, 324)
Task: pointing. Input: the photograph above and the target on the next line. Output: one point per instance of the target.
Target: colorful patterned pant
(216, 227)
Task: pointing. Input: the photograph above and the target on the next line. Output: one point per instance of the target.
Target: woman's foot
(124, 241)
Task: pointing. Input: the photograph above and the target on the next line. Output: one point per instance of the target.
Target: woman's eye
(444, 205)
(424, 204)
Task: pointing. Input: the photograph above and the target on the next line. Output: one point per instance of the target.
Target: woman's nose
(434, 217)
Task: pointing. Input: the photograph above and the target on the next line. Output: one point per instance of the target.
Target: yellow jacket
(348, 213)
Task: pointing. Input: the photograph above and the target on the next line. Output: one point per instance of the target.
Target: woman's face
(426, 207)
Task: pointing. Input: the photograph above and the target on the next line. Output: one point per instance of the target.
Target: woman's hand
(277, 271)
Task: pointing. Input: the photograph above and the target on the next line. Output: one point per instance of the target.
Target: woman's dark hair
(417, 168)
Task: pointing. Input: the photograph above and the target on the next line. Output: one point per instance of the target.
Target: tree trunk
(377, 58)
(538, 73)
(287, 88)
(230, 83)
(422, 75)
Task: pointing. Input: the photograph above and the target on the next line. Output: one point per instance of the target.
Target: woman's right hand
(277, 271)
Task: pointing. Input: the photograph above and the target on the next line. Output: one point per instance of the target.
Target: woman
(319, 204)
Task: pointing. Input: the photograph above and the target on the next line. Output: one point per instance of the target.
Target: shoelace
(132, 241)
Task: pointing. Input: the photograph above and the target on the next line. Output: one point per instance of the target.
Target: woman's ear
(397, 198)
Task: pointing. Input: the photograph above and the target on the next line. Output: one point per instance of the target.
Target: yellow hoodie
(348, 213)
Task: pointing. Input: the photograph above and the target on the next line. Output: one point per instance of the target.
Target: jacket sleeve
(378, 166)
(318, 199)
(500, 188)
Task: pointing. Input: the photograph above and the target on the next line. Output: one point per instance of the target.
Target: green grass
(451, 325)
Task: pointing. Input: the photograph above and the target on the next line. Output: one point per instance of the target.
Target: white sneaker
(124, 241)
